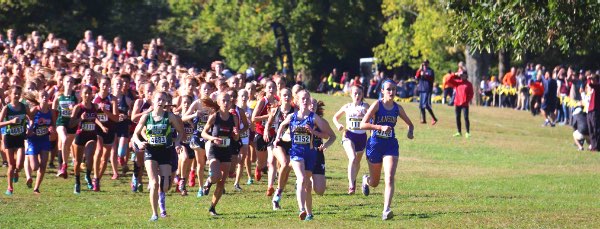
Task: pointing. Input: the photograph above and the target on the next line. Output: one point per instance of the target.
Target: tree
(417, 30)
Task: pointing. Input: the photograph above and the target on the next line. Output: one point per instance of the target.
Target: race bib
(158, 140)
(41, 131)
(244, 134)
(301, 139)
(354, 123)
(65, 113)
(17, 130)
(382, 134)
(225, 142)
(88, 126)
(102, 117)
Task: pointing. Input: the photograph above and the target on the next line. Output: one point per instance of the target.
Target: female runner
(318, 177)
(64, 104)
(84, 117)
(157, 127)
(382, 146)
(251, 157)
(199, 113)
(282, 149)
(108, 115)
(223, 134)
(302, 126)
(141, 107)
(124, 105)
(186, 155)
(14, 116)
(242, 112)
(38, 137)
(259, 117)
(355, 139)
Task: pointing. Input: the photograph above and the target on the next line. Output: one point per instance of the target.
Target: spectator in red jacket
(463, 90)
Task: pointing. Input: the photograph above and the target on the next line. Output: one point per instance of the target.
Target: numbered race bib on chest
(41, 131)
(157, 140)
(86, 126)
(354, 123)
(225, 141)
(382, 134)
(16, 130)
(302, 138)
(65, 112)
(102, 117)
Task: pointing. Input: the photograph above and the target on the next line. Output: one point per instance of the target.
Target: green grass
(511, 173)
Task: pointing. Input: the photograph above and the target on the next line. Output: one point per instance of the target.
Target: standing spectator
(494, 84)
(549, 99)
(537, 91)
(448, 90)
(509, 80)
(463, 90)
(564, 87)
(580, 128)
(486, 92)
(593, 115)
(425, 76)
(88, 38)
(523, 90)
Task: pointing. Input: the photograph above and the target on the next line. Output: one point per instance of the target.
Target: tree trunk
(503, 63)
(476, 68)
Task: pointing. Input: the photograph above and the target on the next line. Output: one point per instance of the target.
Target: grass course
(511, 173)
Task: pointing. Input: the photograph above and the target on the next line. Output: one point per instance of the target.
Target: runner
(38, 137)
(319, 183)
(64, 103)
(382, 146)
(302, 126)
(186, 155)
(354, 139)
(281, 151)
(108, 115)
(156, 142)
(199, 115)
(84, 117)
(14, 117)
(263, 133)
(124, 106)
(241, 113)
(223, 134)
(251, 157)
(141, 106)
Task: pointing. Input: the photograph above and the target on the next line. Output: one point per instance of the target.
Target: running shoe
(51, 165)
(302, 215)
(237, 187)
(96, 185)
(181, 188)
(200, 193)
(309, 217)
(133, 184)
(351, 190)
(77, 189)
(62, 172)
(9, 192)
(184, 192)
(140, 186)
(36, 191)
(270, 191)
(176, 179)
(365, 185)
(88, 180)
(276, 200)
(387, 215)
(154, 218)
(467, 135)
(4, 164)
(257, 174)
(433, 122)
(250, 181)
(29, 183)
(206, 188)
(457, 134)
(192, 178)
(163, 214)
(115, 176)
(15, 176)
(212, 211)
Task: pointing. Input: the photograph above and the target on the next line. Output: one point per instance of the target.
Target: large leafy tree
(417, 30)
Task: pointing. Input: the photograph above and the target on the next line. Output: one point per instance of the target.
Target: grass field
(510, 173)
